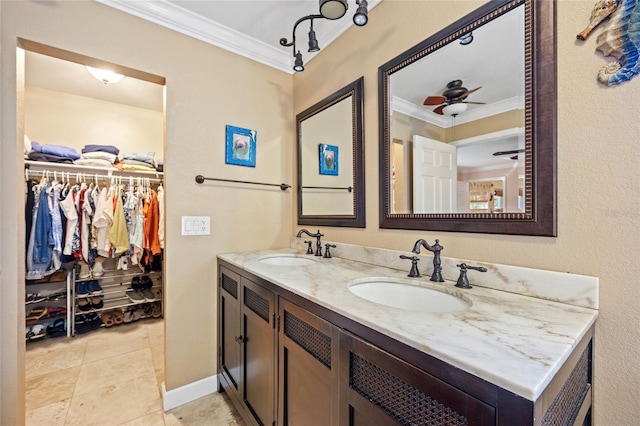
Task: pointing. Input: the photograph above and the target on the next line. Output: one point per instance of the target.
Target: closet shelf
(116, 303)
(42, 166)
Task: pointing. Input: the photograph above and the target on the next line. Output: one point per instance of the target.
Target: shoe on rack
(83, 324)
(83, 304)
(157, 310)
(135, 296)
(128, 316)
(97, 270)
(57, 329)
(84, 271)
(82, 289)
(37, 332)
(96, 302)
(148, 294)
(93, 287)
(117, 316)
(107, 318)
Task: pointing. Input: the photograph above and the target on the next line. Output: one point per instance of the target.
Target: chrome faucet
(437, 265)
(317, 236)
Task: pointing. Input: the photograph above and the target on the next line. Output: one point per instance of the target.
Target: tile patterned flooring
(109, 377)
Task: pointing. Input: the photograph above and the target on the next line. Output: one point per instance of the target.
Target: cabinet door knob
(239, 339)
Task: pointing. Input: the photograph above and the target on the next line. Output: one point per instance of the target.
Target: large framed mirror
(331, 160)
(468, 125)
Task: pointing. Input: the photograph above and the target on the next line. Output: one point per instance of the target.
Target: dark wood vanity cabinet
(247, 346)
(385, 390)
(309, 365)
(287, 361)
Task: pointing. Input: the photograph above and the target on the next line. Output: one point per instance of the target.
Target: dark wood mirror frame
(539, 217)
(354, 90)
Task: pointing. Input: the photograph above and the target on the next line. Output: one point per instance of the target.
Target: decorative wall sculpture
(620, 39)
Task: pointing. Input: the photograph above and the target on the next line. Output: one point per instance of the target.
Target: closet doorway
(96, 323)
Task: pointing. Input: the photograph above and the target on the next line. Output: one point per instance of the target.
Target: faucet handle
(309, 249)
(463, 281)
(414, 272)
(327, 253)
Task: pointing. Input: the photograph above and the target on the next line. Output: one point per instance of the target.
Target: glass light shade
(333, 9)
(105, 76)
(454, 109)
(361, 18)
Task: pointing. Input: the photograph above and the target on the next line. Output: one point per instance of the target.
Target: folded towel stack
(52, 153)
(98, 155)
(138, 161)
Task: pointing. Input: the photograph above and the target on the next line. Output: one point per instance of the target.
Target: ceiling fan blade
(473, 90)
(440, 110)
(475, 103)
(434, 100)
(514, 151)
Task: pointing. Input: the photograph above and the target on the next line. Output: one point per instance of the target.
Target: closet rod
(77, 168)
(86, 176)
(350, 188)
(283, 186)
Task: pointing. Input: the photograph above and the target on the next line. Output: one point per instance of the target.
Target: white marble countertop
(516, 342)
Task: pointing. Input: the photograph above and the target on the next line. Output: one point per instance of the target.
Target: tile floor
(112, 376)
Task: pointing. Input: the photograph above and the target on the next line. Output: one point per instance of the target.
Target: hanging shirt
(161, 216)
(151, 220)
(69, 209)
(118, 235)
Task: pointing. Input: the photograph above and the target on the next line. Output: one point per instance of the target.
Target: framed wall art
(328, 159)
(241, 146)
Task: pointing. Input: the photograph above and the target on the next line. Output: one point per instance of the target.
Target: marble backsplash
(572, 289)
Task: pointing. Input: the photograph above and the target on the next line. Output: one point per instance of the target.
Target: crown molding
(170, 16)
(176, 18)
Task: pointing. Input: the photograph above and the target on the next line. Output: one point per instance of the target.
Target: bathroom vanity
(297, 347)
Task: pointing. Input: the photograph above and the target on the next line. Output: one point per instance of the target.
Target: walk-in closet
(94, 222)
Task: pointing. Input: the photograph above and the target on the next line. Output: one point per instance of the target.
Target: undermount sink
(399, 294)
(286, 260)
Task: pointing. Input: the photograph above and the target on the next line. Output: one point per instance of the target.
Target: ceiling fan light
(333, 9)
(452, 110)
(361, 16)
(104, 76)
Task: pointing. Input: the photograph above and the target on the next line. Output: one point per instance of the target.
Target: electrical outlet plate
(196, 225)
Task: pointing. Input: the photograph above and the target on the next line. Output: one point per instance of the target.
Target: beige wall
(63, 119)
(207, 88)
(598, 219)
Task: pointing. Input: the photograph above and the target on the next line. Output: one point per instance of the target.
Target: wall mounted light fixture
(329, 9)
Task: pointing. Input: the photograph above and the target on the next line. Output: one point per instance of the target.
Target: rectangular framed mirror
(475, 101)
(331, 160)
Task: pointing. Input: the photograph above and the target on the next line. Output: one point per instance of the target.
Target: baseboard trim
(189, 392)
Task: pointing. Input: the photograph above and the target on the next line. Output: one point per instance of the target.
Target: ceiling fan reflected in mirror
(509, 153)
(455, 94)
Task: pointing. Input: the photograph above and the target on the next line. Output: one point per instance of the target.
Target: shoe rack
(48, 306)
(108, 304)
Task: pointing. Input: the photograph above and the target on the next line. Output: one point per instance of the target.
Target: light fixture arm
(285, 42)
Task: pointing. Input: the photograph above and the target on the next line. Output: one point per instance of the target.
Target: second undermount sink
(286, 260)
(399, 294)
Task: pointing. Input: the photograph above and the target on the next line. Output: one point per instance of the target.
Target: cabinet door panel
(229, 327)
(404, 393)
(308, 375)
(259, 352)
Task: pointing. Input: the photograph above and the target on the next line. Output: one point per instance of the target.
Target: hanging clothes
(160, 192)
(118, 235)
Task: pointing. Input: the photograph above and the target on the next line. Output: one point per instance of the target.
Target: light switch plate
(196, 225)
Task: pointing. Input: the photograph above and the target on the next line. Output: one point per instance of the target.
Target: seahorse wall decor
(620, 39)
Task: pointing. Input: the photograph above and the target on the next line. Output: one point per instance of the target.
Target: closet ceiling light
(105, 76)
